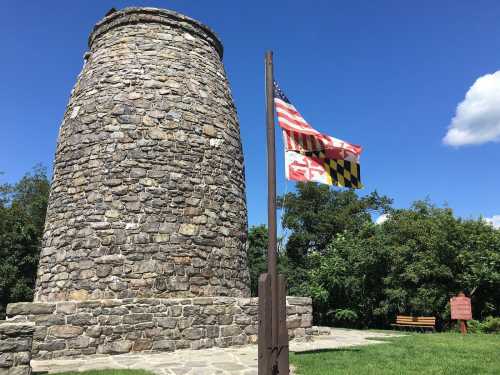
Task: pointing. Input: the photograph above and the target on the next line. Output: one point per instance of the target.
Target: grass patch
(108, 372)
(430, 354)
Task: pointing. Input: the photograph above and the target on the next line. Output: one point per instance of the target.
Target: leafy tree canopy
(363, 274)
(22, 215)
(315, 214)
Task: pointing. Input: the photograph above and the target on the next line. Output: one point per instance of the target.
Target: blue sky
(387, 75)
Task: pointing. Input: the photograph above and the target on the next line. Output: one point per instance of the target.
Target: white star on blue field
(414, 83)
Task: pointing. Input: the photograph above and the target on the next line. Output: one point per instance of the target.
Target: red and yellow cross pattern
(314, 166)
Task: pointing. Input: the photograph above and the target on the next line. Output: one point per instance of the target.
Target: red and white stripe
(289, 118)
(299, 136)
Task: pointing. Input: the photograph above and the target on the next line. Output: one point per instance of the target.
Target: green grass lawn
(438, 353)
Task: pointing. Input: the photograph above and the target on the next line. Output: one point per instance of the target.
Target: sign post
(273, 333)
(461, 310)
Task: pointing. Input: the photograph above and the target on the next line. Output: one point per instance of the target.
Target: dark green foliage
(362, 275)
(434, 256)
(313, 216)
(491, 325)
(473, 326)
(257, 250)
(22, 216)
(424, 243)
(346, 281)
(257, 256)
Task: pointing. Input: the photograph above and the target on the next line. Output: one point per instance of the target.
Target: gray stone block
(6, 360)
(167, 322)
(22, 358)
(192, 333)
(65, 331)
(29, 308)
(20, 370)
(115, 347)
(230, 331)
(164, 345)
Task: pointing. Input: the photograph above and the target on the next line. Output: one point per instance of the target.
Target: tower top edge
(132, 15)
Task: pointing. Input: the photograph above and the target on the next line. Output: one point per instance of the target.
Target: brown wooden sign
(461, 308)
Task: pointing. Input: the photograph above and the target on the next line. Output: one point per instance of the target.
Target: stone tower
(148, 193)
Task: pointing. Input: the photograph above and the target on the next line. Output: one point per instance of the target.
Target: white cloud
(478, 116)
(382, 218)
(494, 221)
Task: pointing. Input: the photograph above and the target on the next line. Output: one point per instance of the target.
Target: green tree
(345, 282)
(22, 215)
(257, 249)
(434, 255)
(423, 243)
(257, 256)
(478, 271)
(362, 274)
(314, 215)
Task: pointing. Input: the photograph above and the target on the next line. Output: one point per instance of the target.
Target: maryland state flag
(312, 156)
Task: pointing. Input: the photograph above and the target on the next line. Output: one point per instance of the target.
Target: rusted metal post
(265, 339)
(463, 326)
(273, 332)
(271, 206)
(283, 358)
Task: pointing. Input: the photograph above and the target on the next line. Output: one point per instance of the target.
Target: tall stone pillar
(148, 193)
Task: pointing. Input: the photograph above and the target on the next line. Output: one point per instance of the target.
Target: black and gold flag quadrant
(344, 173)
(339, 172)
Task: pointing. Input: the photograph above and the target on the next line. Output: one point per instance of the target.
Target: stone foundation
(15, 348)
(115, 326)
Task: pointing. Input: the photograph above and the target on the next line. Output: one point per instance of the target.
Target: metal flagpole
(271, 204)
(273, 333)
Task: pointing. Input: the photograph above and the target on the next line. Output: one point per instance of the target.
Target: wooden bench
(423, 322)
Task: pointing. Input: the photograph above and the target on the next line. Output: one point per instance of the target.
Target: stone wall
(66, 329)
(148, 191)
(15, 348)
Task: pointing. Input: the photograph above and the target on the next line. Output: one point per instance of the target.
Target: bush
(473, 326)
(346, 317)
(491, 325)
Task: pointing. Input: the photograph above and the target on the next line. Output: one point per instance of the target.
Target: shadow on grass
(336, 350)
(384, 339)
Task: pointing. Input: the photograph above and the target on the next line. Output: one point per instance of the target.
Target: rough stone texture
(15, 347)
(151, 324)
(148, 193)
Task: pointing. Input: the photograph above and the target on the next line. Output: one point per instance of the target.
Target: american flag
(308, 153)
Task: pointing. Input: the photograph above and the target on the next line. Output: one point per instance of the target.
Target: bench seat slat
(418, 320)
(415, 321)
(409, 320)
(412, 325)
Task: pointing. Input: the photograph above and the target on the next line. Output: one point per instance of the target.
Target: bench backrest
(416, 320)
